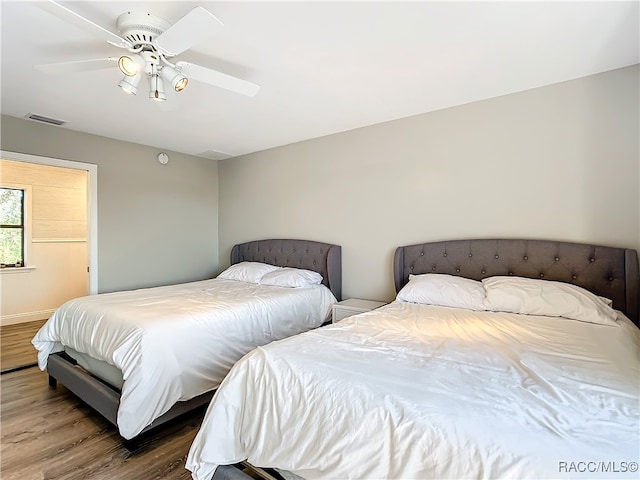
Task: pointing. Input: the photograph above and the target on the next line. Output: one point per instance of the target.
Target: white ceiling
(323, 67)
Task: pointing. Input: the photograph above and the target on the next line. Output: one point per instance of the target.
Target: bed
(450, 380)
(143, 357)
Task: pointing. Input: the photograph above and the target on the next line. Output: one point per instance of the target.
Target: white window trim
(4, 271)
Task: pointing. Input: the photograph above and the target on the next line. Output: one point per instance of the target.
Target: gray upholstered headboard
(324, 258)
(606, 271)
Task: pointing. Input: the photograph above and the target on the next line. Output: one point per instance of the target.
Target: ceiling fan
(151, 43)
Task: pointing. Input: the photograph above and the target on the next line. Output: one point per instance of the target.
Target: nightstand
(352, 306)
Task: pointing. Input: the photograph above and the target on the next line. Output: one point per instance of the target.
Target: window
(11, 227)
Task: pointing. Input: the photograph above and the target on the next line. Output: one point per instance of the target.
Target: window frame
(26, 226)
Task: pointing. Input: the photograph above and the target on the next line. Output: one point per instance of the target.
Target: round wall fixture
(163, 158)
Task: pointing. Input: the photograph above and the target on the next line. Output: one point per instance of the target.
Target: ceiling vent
(214, 155)
(43, 119)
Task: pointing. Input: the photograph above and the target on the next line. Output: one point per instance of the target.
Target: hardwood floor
(50, 434)
(15, 344)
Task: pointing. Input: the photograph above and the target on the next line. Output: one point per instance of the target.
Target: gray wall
(157, 224)
(559, 162)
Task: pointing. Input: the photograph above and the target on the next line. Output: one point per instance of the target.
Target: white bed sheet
(175, 342)
(415, 391)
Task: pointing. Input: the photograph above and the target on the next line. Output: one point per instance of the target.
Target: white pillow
(606, 300)
(291, 277)
(444, 290)
(250, 272)
(531, 296)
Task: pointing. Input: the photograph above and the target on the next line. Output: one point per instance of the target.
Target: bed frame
(324, 258)
(606, 271)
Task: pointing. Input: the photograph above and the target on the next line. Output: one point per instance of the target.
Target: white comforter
(415, 391)
(173, 343)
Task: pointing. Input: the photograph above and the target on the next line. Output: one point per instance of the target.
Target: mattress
(98, 368)
(420, 391)
(176, 342)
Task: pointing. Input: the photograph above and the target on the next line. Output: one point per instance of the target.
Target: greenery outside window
(11, 227)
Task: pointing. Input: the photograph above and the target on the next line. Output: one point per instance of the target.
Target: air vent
(214, 155)
(43, 119)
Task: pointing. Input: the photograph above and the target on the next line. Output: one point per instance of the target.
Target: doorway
(92, 205)
(60, 250)
(59, 240)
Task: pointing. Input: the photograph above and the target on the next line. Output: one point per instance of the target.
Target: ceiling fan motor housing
(141, 28)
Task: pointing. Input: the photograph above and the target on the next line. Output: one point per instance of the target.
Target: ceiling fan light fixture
(181, 84)
(130, 65)
(156, 92)
(130, 84)
(150, 42)
(177, 80)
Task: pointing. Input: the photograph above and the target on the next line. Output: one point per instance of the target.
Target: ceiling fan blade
(78, 66)
(74, 18)
(218, 79)
(190, 30)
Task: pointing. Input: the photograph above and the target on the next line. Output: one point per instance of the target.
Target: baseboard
(25, 317)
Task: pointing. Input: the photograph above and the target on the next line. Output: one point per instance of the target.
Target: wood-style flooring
(15, 344)
(50, 434)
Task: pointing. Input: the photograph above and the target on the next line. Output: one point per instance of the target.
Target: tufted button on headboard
(606, 271)
(324, 258)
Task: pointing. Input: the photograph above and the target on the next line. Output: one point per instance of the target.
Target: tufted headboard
(324, 258)
(607, 271)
